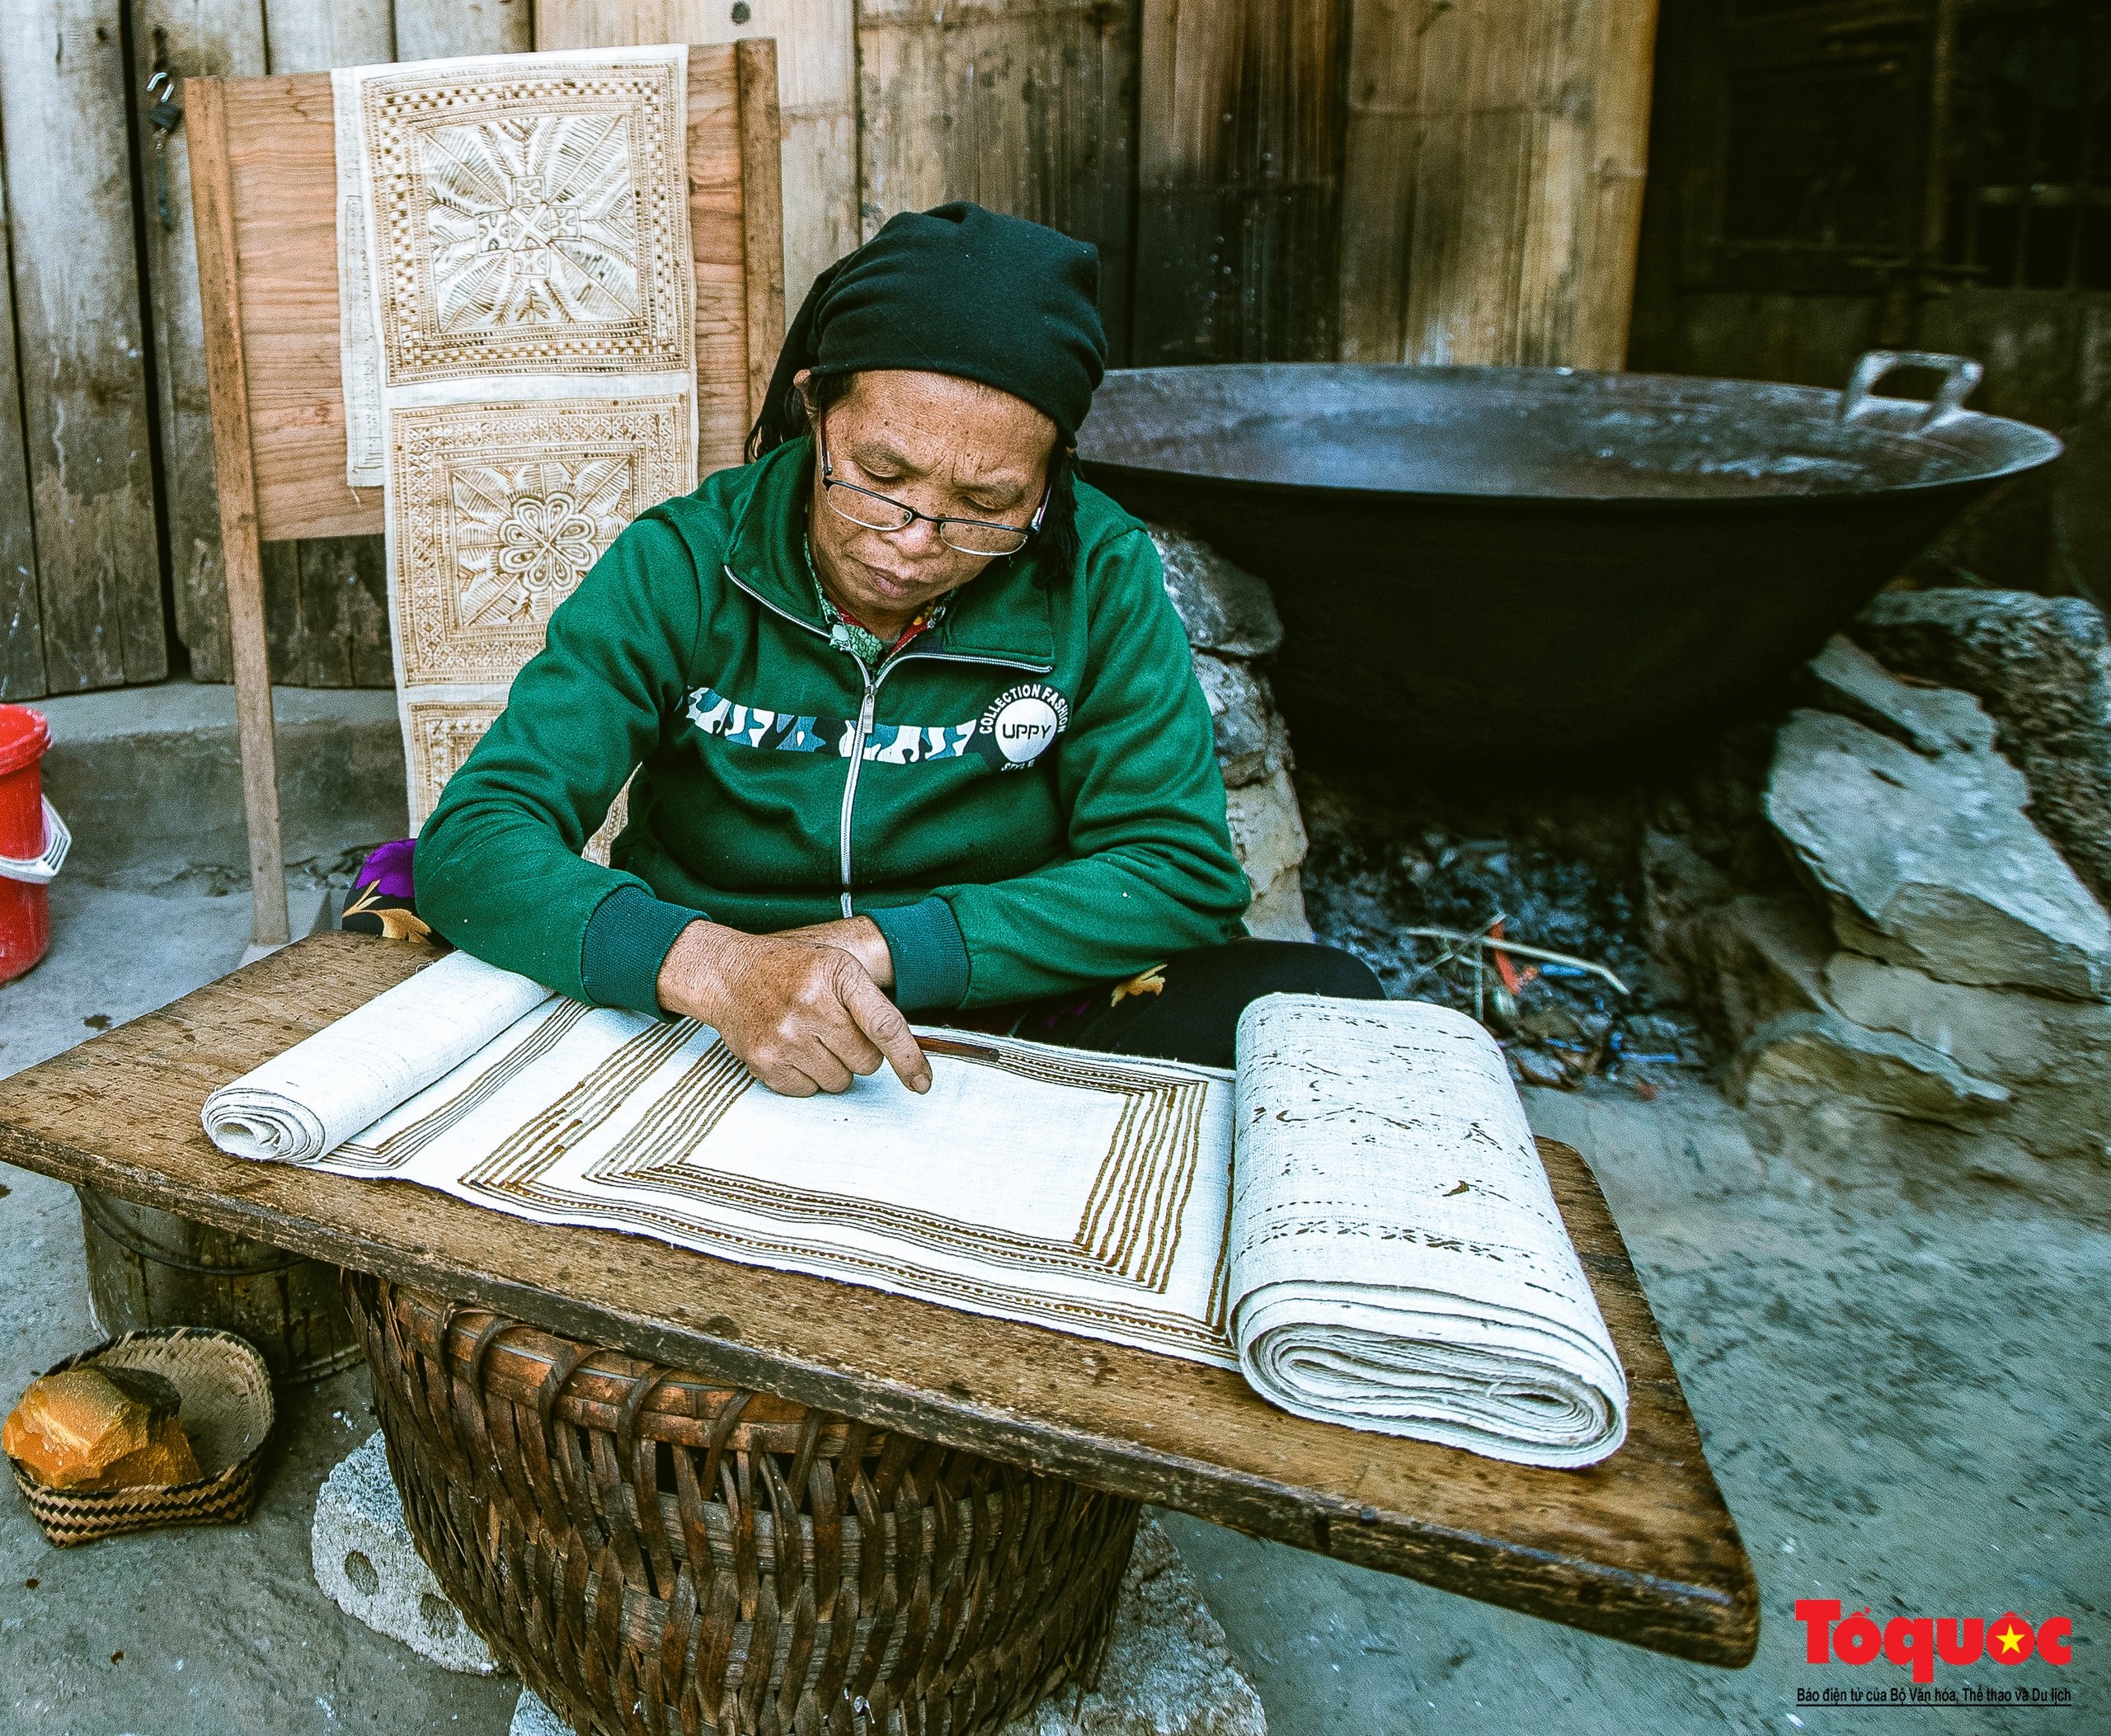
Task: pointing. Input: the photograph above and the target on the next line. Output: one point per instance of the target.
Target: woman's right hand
(805, 1016)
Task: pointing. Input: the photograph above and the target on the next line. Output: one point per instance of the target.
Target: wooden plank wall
(1266, 180)
(817, 90)
(21, 629)
(1023, 106)
(85, 409)
(1371, 180)
(108, 529)
(1493, 163)
(224, 37)
(1239, 153)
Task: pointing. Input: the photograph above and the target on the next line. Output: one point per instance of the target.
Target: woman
(914, 720)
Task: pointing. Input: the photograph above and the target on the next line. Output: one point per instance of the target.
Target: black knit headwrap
(955, 290)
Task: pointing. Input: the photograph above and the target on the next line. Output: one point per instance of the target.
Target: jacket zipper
(856, 759)
(863, 730)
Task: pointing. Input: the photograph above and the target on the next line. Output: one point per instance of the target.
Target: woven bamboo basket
(654, 1553)
(227, 1413)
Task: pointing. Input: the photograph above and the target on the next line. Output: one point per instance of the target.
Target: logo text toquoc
(1918, 1643)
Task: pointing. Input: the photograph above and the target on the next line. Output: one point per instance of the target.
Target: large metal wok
(1488, 564)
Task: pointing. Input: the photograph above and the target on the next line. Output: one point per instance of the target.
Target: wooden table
(1639, 1546)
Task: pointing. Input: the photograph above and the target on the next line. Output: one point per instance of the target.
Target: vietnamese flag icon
(2009, 1639)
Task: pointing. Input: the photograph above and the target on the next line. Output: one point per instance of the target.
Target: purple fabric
(388, 868)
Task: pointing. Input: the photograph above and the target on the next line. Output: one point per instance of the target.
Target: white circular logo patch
(1021, 724)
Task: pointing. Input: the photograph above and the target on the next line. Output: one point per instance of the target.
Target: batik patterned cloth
(1110, 1222)
(1377, 1244)
(518, 350)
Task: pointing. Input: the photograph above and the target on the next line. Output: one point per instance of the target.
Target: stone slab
(1929, 860)
(1268, 830)
(1897, 1158)
(2042, 666)
(1809, 1058)
(1169, 1670)
(1253, 743)
(1277, 911)
(1224, 607)
(149, 779)
(532, 1718)
(1933, 720)
(2055, 1056)
(1741, 958)
(366, 1561)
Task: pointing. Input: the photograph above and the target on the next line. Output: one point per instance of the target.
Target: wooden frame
(1640, 1546)
(263, 168)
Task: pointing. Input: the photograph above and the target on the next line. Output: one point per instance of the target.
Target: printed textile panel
(500, 508)
(438, 734)
(531, 221)
(604, 1119)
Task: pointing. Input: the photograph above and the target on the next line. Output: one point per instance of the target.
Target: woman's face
(948, 447)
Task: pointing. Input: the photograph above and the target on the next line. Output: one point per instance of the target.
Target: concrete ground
(1904, 1398)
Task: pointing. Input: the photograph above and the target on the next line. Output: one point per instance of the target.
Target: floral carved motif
(502, 509)
(532, 222)
(525, 534)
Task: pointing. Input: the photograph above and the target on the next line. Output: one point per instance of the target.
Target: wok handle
(1960, 375)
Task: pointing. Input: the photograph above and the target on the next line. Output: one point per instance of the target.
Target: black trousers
(1187, 1009)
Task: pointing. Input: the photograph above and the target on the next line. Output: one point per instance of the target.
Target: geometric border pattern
(441, 734)
(644, 236)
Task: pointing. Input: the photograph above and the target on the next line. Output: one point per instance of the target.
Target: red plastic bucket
(24, 894)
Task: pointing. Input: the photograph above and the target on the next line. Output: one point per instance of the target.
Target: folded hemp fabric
(100, 1428)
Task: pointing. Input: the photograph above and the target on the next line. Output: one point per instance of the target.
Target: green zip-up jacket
(1024, 799)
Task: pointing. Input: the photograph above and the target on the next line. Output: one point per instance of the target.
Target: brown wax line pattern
(1220, 1315)
(719, 1079)
(585, 1106)
(648, 1166)
(1179, 1333)
(401, 1146)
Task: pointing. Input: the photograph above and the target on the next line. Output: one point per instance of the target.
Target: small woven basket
(654, 1553)
(227, 1413)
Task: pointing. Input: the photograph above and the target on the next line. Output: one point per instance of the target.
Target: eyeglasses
(873, 511)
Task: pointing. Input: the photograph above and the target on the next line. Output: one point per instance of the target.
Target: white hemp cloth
(1397, 1255)
(1082, 1192)
(1389, 1255)
(316, 1096)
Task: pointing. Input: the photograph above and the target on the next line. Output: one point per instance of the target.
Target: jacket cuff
(628, 940)
(930, 958)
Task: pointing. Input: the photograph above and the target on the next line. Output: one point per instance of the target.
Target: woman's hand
(859, 936)
(803, 1012)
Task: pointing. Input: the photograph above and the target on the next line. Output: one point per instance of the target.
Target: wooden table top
(1639, 1546)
